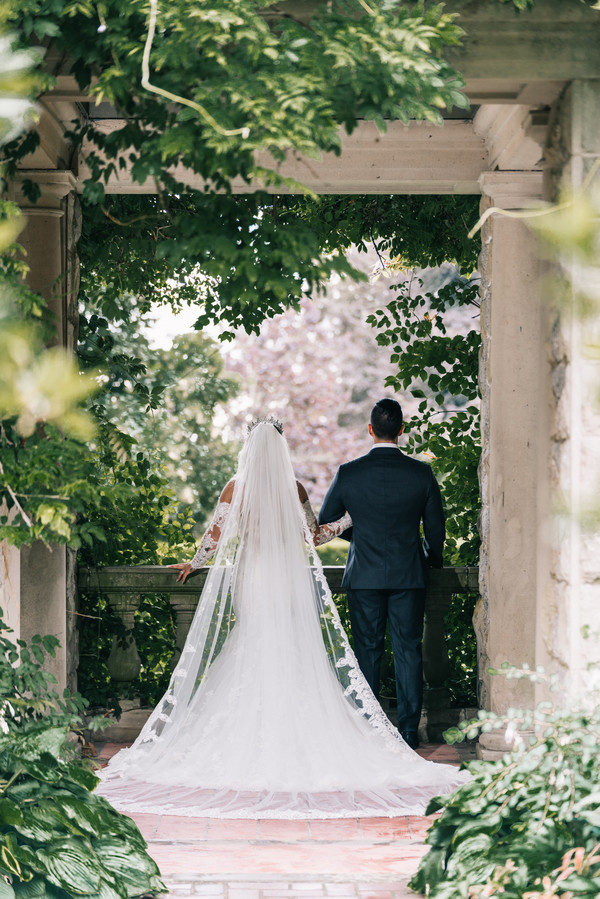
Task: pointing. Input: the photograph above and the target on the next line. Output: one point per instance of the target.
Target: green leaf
(93, 191)
(10, 813)
(6, 891)
(49, 742)
(107, 892)
(71, 865)
(83, 775)
(32, 889)
(45, 769)
(8, 861)
(132, 869)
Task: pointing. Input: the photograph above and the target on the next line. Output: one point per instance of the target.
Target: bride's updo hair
(267, 420)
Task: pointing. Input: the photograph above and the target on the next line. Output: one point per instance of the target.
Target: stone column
(569, 608)
(10, 586)
(514, 380)
(49, 239)
(33, 583)
(42, 601)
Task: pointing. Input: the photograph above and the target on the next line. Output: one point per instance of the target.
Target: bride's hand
(185, 569)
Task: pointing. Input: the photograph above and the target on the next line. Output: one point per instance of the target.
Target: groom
(388, 495)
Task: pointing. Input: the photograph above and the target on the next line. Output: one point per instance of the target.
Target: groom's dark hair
(386, 419)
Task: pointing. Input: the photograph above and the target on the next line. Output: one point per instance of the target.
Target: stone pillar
(33, 583)
(49, 240)
(42, 601)
(436, 666)
(514, 379)
(569, 608)
(10, 586)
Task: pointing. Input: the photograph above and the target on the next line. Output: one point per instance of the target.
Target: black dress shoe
(410, 737)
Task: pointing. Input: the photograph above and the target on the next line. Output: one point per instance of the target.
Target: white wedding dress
(267, 714)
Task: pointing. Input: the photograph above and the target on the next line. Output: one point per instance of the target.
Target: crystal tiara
(268, 420)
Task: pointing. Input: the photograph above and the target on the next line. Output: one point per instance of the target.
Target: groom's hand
(185, 569)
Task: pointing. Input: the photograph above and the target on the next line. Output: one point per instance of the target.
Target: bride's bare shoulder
(227, 492)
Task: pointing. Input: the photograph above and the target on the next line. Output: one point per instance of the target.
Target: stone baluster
(436, 664)
(184, 606)
(124, 662)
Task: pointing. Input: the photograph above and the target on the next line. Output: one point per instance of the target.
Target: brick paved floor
(349, 858)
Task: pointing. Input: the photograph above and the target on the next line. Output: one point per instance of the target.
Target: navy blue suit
(389, 495)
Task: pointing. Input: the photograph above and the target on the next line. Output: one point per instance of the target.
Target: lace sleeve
(325, 532)
(210, 541)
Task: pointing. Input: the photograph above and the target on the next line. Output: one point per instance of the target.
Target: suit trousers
(370, 610)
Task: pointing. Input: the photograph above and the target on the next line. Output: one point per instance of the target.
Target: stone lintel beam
(509, 91)
(556, 40)
(61, 100)
(419, 158)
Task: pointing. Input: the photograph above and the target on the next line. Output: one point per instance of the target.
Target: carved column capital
(54, 186)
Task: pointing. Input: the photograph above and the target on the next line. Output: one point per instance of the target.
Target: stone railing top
(160, 579)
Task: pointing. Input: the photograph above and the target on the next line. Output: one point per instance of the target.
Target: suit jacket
(388, 495)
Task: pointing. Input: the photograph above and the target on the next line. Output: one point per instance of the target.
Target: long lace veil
(240, 698)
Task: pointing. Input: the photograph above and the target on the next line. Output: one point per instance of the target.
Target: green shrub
(57, 838)
(527, 826)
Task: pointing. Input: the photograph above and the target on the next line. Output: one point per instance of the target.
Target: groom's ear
(370, 426)
(401, 431)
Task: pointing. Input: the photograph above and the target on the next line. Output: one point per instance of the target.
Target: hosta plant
(58, 839)
(527, 826)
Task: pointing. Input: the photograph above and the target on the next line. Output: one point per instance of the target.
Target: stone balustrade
(124, 586)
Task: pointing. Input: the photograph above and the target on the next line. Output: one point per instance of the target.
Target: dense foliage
(527, 825)
(161, 403)
(309, 77)
(43, 460)
(424, 231)
(57, 838)
(441, 370)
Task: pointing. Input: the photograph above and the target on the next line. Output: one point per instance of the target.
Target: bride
(267, 714)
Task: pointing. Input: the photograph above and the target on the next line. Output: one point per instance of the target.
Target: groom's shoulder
(416, 467)
(417, 464)
(356, 463)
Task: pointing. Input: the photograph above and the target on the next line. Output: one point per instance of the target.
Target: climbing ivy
(234, 84)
